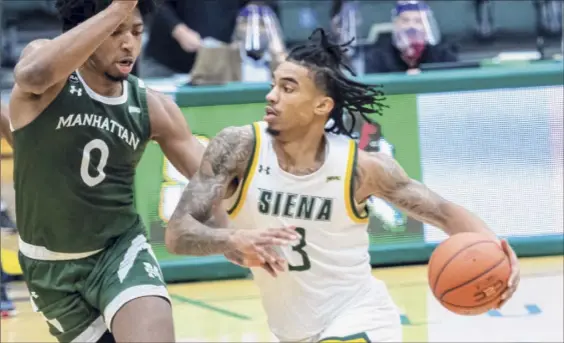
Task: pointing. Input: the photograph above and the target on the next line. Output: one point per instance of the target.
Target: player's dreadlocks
(327, 61)
(74, 12)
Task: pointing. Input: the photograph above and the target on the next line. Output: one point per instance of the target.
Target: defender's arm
(227, 154)
(380, 175)
(181, 148)
(170, 129)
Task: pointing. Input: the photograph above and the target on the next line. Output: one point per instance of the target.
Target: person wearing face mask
(415, 40)
(179, 28)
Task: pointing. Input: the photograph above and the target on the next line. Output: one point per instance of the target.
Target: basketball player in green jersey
(293, 172)
(80, 125)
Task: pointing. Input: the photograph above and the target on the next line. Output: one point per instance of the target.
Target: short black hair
(74, 12)
(328, 61)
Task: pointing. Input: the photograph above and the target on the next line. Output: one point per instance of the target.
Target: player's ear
(323, 106)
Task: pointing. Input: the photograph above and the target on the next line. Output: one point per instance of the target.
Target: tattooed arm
(226, 155)
(170, 129)
(380, 175)
(224, 160)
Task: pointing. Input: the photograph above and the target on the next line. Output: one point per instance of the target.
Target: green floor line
(202, 304)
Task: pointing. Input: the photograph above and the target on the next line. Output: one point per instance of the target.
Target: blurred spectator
(549, 16)
(346, 20)
(178, 28)
(484, 19)
(259, 38)
(414, 40)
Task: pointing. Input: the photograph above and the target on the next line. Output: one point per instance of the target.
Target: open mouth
(125, 65)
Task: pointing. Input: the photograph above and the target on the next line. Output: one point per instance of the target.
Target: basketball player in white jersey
(292, 171)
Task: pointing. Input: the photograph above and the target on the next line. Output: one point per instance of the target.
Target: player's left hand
(515, 276)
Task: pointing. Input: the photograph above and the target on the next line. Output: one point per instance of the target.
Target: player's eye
(288, 89)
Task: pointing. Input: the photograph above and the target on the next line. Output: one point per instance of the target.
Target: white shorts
(361, 324)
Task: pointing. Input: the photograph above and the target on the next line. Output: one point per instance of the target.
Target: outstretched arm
(380, 175)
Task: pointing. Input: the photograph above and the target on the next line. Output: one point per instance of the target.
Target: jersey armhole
(142, 91)
(350, 202)
(247, 178)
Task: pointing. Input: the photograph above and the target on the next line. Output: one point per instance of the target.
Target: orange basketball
(468, 272)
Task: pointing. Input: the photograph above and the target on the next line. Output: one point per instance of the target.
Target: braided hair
(74, 12)
(327, 60)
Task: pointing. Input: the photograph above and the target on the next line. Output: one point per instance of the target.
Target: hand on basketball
(515, 276)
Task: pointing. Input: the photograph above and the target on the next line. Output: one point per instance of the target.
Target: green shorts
(79, 298)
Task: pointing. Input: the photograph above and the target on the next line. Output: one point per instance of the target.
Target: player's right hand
(252, 261)
(256, 244)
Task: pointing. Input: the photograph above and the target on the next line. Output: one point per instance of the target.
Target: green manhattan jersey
(74, 168)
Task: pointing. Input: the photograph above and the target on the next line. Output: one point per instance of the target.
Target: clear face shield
(347, 22)
(258, 31)
(346, 27)
(414, 28)
(549, 14)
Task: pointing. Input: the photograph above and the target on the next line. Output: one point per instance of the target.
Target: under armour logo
(265, 170)
(75, 90)
(34, 295)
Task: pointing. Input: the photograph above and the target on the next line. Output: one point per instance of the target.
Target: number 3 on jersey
(306, 264)
(95, 144)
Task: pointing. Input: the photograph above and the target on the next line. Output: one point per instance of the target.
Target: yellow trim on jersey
(350, 202)
(249, 173)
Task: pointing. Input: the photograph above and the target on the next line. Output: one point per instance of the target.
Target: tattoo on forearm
(390, 182)
(225, 157)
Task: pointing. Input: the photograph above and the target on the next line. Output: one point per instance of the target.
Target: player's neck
(100, 83)
(304, 153)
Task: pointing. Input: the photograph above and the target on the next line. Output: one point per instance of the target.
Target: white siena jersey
(329, 268)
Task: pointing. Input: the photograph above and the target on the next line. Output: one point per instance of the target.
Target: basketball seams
(434, 287)
(497, 264)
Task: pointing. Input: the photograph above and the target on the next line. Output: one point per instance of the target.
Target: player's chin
(271, 130)
(117, 76)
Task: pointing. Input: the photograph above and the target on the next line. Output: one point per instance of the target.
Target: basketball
(468, 273)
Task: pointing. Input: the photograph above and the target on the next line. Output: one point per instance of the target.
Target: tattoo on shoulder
(228, 152)
(226, 157)
(379, 172)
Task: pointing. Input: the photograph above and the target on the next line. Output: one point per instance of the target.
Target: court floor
(230, 311)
